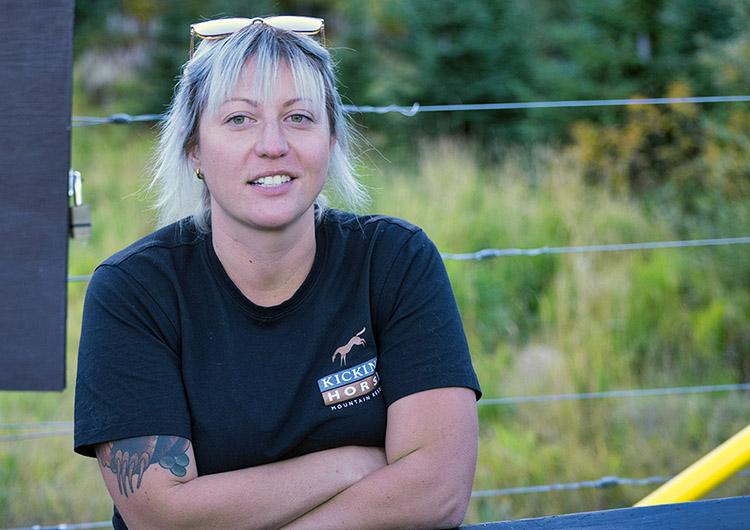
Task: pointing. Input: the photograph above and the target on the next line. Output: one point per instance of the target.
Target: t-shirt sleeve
(129, 379)
(421, 340)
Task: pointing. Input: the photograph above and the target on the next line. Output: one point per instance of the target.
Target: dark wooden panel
(35, 107)
(721, 514)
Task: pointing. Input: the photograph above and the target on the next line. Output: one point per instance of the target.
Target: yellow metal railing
(705, 474)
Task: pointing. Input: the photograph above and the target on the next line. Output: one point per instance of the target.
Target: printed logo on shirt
(356, 340)
(349, 384)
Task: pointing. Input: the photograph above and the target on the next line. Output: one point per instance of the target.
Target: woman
(264, 361)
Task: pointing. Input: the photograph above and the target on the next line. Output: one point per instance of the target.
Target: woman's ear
(193, 154)
(194, 158)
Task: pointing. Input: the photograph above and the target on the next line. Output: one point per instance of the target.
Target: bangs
(265, 56)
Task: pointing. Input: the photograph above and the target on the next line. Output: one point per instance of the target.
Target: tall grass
(573, 323)
(536, 325)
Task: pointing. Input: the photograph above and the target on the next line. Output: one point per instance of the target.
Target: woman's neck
(267, 266)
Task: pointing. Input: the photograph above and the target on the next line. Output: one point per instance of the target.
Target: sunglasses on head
(224, 27)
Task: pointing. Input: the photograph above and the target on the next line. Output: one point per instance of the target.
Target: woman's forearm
(270, 496)
(409, 494)
(266, 496)
(431, 445)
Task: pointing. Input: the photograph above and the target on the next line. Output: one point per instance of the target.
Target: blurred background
(537, 324)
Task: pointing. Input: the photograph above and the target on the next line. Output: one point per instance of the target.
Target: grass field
(543, 324)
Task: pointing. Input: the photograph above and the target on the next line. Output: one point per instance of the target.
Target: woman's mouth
(271, 181)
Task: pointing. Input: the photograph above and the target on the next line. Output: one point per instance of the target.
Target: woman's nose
(271, 142)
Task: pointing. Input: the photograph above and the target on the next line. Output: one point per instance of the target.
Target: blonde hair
(207, 80)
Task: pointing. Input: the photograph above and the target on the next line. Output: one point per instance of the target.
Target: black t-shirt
(170, 346)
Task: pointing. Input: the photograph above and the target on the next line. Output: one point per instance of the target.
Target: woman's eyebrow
(298, 100)
(251, 102)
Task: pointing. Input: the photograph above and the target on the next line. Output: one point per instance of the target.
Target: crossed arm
(421, 479)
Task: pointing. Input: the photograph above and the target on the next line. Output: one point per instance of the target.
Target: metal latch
(80, 215)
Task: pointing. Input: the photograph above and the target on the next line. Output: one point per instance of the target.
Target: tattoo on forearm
(133, 456)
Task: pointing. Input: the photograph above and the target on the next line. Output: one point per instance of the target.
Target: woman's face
(265, 162)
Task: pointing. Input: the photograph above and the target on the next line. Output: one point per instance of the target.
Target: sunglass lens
(220, 27)
(296, 24)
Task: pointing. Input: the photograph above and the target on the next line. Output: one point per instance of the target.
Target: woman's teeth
(272, 181)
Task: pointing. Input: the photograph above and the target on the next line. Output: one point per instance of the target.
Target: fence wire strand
(489, 253)
(416, 108)
(495, 253)
(616, 394)
(604, 482)
(30, 435)
(484, 401)
(36, 425)
(64, 526)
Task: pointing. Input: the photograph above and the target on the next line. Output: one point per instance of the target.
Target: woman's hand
(431, 447)
(362, 461)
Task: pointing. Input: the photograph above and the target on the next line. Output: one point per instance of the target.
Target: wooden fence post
(35, 105)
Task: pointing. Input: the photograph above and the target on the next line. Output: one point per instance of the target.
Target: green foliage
(576, 323)
(471, 52)
(694, 175)
(661, 313)
(455, 188)
(89, 28)
(655, 145)
(451, 52)
(672, 155)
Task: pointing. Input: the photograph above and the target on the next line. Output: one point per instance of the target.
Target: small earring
(199, 174)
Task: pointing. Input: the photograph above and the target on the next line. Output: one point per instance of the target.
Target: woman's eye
(298, 118)
(237, 120)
